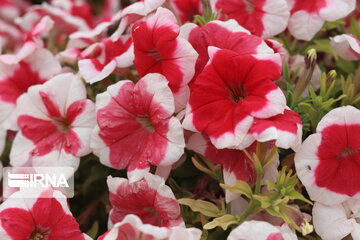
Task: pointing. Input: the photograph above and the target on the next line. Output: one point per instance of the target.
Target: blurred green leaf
(206, 208)
(224, 222)
(240, 187)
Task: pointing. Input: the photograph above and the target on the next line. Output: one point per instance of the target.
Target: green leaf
(264, 200)
(224, 222)
(93, 231)
(293, 195)
(334, 24)
(355, 26)
(240, 187)
(209, 168)
(206, 208)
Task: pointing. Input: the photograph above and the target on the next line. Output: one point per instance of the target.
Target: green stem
(259, 173)
(253, 203)
(252, 206)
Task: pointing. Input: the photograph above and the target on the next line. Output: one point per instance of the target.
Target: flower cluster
(182, 119)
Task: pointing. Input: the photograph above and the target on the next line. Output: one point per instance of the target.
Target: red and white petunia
(186, 10)
(45, 217)
(232, 90)
(346, 46)
(55, 121)
(132, 228)
(158, 48)
(285, 129)
(148, 198)
(65, 22)
(11, 9)
(255, 230)
(136, 127)
(15, 79)
(140, 9)
(224, 35)
(31, 42)
(101, 59)
(82, 9)
(335, 222)
(133, 13)
(11, 37)
(308, 16)
(327, 162)
(265, 18)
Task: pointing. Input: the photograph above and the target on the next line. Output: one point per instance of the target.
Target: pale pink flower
(346, 46)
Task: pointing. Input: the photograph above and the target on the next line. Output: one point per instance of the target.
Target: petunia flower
(327, 162)
(308, 16)
(11, 9)
(224, 35)
(148, 198)
(285, 129)
(158, 48)
(82, 9)
(346, 46)
(186, 10)
(136, 127)
(65, 22)
(229, 93)
(335, 222)
(140, 9)
(264, 18)
(55, 121)
(31, 42)
(45, 217)
(15, 79)
(133, 13)
(101, 59)
(256, 230)
(133, 228)
(11, 37)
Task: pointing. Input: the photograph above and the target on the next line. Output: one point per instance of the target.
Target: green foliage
(240, 187)
(224, 222)
(208, 209)
(318, 104)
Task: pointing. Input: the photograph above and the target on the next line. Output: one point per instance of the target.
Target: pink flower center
(62, 124)
(347, 152)
(145, 122)
(236, 92)
(155, 54)
(249, 6)
(39, 233)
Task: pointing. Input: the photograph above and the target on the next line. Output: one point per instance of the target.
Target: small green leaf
(240, 187)
(296, 195)
(224, 222)
(206, 208)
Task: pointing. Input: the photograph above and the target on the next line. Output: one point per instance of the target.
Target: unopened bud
(306, 228)
(332, 74)
(310, 58)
